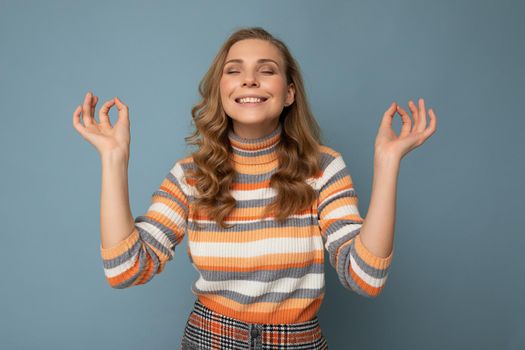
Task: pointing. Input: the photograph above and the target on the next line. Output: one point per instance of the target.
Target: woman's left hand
(388, 144)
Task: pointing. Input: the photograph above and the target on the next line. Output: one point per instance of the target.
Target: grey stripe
(288, 223)
(146, 236)
(231, 134)
(262, 152)
(176, 182)
(142, 264)
(370, 270)
(262, 275)
(344, 274)
(332, 249)
(344, 193)
(111, 263)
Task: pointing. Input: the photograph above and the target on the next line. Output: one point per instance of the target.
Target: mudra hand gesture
(106, 138)
(388, 144)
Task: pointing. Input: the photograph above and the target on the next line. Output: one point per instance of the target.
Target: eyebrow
(261, 60)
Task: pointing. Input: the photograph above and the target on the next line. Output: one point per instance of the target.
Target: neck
(257, 150)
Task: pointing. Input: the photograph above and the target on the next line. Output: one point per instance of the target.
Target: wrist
(115, 157)
(386, 159)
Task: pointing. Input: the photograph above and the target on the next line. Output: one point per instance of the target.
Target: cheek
(226, 81)
(225, 92)
(278, 87)
(222, 87)
(225, 88)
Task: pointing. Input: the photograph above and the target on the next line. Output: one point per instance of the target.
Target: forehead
(250, 50)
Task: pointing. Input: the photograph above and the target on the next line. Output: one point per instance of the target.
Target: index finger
(122, 108)
(386, 121)
(103, 113)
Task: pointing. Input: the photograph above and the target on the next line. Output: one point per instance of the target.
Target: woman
(260, 198)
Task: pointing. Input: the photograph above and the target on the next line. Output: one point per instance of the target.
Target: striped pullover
(258, 271)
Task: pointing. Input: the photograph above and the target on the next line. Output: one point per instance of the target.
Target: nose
(249, 80)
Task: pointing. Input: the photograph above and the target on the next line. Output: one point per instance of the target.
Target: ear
(290, 96)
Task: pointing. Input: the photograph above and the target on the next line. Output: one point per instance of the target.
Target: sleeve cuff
(370, 258)
(122, 247)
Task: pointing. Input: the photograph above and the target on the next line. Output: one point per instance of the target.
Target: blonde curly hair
(298, 150)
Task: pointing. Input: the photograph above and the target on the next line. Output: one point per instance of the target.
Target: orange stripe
(291, 310)
(122, 247)
(124, 276)
(251, 235)
(173, 192)
(370, 290)
(251, 186)
(342, 184)
(278, 260)
(371, 259)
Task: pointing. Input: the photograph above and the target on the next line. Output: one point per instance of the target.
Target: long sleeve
(340, 222)
(152, 242)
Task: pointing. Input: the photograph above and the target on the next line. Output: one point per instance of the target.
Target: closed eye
(266, 72)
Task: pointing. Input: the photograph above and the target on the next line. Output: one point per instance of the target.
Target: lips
(263, 99)
(251, 104)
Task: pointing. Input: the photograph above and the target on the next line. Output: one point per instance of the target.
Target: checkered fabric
(207, 329)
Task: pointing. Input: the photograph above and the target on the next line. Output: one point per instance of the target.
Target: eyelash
(234, 71)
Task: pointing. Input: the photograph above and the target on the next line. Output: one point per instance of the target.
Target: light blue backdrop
(456, 281)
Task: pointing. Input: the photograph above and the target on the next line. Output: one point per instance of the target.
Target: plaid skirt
(209, 330)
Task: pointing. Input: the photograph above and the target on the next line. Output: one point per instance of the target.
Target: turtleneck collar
(255, 151)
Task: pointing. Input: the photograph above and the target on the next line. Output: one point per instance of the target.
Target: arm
(151, 240)
(116, 220)
(377, 232)
(358, 268)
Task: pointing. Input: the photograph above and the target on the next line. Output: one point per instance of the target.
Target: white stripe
(335, 165)
(373, 281)
(346, 230)
(126, 265)
(256, 248)
(257, 288)
(342, 212)
(339, 193)
(178, 172)
(172, 215)
(256, 194)
(262, 193)
(156, 233)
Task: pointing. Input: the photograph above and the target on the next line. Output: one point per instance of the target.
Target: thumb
(123, 110)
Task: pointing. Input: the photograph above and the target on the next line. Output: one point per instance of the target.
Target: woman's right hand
(107, 139)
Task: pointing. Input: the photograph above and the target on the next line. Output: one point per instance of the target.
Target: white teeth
(250, 100)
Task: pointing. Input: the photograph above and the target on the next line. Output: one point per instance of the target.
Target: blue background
(456, 281)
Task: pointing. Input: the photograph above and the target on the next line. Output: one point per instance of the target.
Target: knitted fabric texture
(258, 271)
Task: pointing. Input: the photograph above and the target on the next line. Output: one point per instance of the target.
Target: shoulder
(185, 162)
(328, 150)
(179, 169)
(328, 155)
(333, 166)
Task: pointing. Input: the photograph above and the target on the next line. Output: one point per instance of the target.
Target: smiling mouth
(251, 104)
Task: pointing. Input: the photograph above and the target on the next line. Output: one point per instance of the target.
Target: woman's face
(254, 67)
